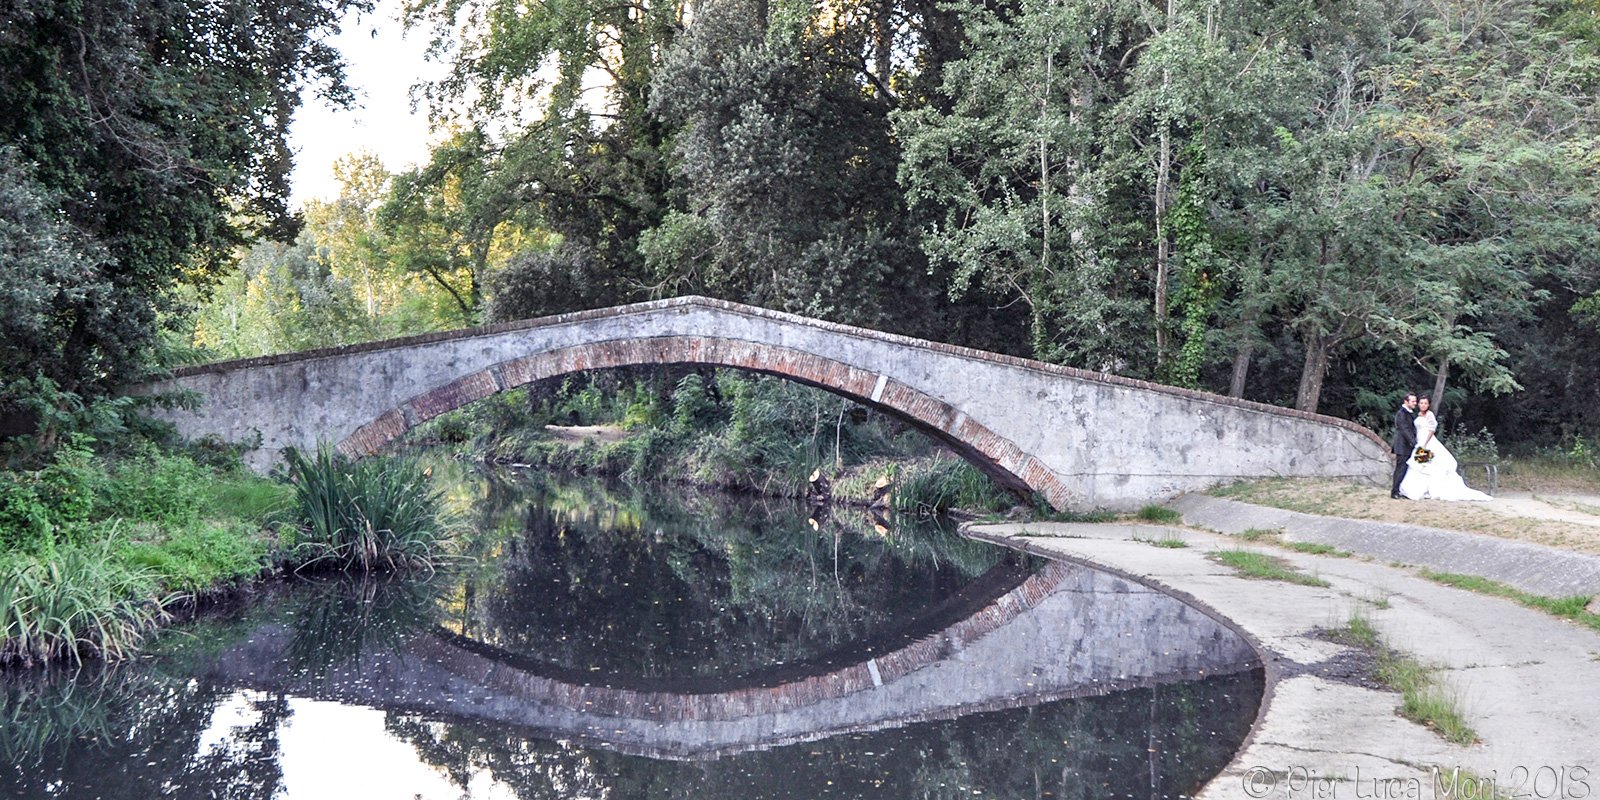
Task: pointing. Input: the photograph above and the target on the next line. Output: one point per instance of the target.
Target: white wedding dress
(1437, 479)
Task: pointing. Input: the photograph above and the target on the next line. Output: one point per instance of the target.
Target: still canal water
(609, 643)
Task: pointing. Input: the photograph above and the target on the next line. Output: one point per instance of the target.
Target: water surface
(605, 643)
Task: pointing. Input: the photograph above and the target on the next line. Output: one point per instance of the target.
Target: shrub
(379, 513)
(39, 508)
(155, 486)
(1478, 446)
(197, 557)
(25, 523)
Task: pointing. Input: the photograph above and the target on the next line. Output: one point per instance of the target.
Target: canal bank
(1525, 680)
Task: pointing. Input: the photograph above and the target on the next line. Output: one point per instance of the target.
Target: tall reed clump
(949, 483)
(81, 602)
(375, 514)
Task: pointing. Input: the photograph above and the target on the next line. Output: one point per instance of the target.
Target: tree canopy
(1319, 204)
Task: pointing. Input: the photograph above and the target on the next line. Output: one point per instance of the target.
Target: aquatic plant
(941, 484)
(378, 513)
(81, 602)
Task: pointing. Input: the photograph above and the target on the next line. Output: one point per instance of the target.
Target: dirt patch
(1563, 521)
(579, 435)
(1357, 666)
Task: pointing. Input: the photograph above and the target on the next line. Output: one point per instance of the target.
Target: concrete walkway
(1529, 567)
(1529, 683)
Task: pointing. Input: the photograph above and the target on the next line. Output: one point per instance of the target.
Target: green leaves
(375, 514)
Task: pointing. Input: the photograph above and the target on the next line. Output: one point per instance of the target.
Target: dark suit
(1405, 441)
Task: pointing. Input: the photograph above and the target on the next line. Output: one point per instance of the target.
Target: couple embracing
(1424, 468)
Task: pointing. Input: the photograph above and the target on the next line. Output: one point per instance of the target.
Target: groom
(1405, 440)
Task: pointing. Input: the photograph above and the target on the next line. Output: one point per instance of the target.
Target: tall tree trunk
(1313, 371)
(1241, 369)
(1044, 169)
(1440, 378)
(884, 42)
(1163, 250)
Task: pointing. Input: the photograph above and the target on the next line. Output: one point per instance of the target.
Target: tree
(576, 154)
(760, 107)
(156, 129)
(1002, 172)
(445, 223)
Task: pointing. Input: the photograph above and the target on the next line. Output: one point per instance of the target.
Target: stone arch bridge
(1080, 439)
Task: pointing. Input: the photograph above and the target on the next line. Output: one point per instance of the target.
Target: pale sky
(381, 65)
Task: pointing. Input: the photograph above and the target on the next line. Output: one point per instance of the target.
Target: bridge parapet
(1081, 439)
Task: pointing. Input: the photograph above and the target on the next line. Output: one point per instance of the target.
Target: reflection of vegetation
(335, 623)
(695, 585)
(67, 735)
(1161, 742)
(41, 713)
(625, 565)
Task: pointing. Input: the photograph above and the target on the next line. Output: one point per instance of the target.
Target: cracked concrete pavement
(1527, 681)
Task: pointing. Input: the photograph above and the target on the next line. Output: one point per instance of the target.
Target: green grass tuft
(1169, 542)
(1260, 534)
(1251, 564)
(1572, 608)
(1160, 514)
(942, 484)
(1317, 549)
(79, 602)
(1423, 698)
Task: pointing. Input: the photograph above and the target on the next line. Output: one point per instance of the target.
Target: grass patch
(1548, 473)
(79, 602)
(1093, 517)
(197, 557)
(1168, 542)
(1251, 564)
(1342, 499)
(1423, 698)
(1159, 514)
(1317, 549)
(1572, 608)
(1260, 534)
(94, 546)
(941, 484)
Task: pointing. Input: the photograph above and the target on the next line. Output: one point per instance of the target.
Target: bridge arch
(993, 454)
(1080, 439)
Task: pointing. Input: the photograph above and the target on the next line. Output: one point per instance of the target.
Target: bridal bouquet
(1423, 455)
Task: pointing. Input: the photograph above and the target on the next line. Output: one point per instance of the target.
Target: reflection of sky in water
(321, 741)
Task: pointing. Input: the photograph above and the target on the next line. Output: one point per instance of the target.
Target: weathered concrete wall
(1081, 439)
(1068, 631)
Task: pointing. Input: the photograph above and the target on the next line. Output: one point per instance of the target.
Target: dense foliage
(1310, 204)
(139, 141)
(1314, 204)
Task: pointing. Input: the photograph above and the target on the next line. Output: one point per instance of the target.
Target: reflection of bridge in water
(1065, 631)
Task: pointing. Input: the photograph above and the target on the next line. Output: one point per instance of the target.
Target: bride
(1436, 478)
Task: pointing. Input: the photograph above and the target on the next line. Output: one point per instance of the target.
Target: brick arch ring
(996, 456)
